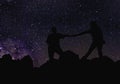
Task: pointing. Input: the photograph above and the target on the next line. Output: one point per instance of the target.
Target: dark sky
(25, 24)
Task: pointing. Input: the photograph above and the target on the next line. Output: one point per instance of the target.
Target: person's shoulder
(59, 34)
(50, 34)
(88, 31)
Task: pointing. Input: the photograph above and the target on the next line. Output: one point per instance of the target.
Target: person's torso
(54, 39)
(97, 36)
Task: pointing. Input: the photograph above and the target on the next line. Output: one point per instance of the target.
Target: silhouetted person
(53, 42)
(97, 39)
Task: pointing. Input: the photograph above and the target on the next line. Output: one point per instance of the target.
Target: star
(31, 21)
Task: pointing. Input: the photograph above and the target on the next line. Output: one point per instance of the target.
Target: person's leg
(100, 53)
(92, 47)
(59, 51)
(51, 53)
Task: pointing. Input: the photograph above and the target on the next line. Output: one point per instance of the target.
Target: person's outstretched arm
(86, 32)
(68, 35)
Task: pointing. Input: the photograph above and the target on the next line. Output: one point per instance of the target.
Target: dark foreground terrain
(68, 69)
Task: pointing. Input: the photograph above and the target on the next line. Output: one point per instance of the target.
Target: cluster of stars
(31, 21)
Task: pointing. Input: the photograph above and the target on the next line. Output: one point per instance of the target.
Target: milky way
(25, 24)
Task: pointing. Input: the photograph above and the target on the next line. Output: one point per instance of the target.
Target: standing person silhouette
(97, 39)
(53, 42)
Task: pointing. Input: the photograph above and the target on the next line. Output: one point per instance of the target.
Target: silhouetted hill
(68, 68)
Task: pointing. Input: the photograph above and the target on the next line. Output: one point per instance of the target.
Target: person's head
(54, 29)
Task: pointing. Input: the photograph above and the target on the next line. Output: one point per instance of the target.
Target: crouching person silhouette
(53, 42)
(97, 39)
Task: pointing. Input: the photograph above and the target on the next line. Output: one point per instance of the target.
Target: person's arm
(67, 35)
(86, 32)
(47, 41)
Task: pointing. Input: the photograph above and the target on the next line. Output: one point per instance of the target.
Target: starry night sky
(25, 24)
